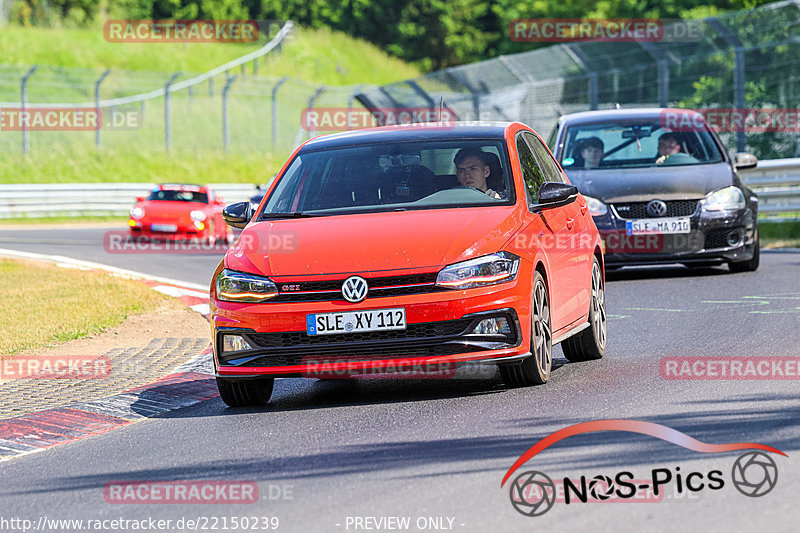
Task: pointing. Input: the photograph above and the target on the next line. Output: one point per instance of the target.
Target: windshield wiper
(296, 214)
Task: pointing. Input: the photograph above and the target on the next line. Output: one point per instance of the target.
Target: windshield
(635, 144)
(179, 196)
(379, 177)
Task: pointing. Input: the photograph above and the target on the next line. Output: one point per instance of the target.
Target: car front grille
(301, 340)
(417, 340)
(331, 290)
(675, 208)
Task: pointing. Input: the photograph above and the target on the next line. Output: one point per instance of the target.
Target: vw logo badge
(656, 208)
(354, 289)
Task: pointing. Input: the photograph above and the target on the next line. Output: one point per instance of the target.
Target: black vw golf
(661, 187)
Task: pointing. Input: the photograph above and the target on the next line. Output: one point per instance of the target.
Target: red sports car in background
(176, 211)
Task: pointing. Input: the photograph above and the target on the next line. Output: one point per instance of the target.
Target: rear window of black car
(636, 144)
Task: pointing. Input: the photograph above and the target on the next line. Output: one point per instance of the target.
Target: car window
(549, 167)
(531, 172)
(401, 176)
(174, 195)
(635, 143)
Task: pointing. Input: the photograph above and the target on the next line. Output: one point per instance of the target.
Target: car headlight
(596, 207)
(480, 272)
(726, 199)
(197, 215)
(240, 287)
(137, 212)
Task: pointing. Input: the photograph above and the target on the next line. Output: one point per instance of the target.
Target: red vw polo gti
(427, 245)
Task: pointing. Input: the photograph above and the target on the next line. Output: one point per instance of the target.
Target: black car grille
(362, 354)
(675, 208)
(319, 291)
(300, 339)
(417, 340)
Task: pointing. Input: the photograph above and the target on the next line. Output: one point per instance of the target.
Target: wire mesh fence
(236, 108)
(744, 60)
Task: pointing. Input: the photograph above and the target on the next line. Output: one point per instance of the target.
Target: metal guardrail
(777, 183)
(91, 199)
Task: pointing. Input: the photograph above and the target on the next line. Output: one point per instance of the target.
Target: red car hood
(371, 242)
(169, 211)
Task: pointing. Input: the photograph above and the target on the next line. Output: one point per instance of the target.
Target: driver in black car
(472, 170)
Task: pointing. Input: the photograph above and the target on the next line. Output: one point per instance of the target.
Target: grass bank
(85, 303)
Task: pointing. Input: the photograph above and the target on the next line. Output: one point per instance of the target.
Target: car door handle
(584, 207)
(570, 222)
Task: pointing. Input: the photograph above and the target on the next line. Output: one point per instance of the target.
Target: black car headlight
(727, 199)
(235, 286)
(490, 269)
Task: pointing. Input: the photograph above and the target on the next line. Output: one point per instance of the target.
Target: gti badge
(656, 208)
(354, 289)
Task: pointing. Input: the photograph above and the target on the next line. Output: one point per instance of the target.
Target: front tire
(590, 343)
(750, 265)
(534, 370)
(244, 393)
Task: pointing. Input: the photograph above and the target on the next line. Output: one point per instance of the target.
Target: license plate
(356, 321)
(658, 225)
(164, 228)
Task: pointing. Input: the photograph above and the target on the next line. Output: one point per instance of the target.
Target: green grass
(309, 58)
(88, 302)
(319, 56)
(785, 234)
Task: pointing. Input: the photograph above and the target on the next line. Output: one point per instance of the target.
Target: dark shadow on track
(745, 419)
(665, 272)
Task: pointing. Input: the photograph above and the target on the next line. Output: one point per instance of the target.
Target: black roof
(416, 132)
(606, 115)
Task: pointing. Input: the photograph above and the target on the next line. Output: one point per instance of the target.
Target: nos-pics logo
(533, 493)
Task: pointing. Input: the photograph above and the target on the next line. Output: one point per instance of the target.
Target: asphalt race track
(330, 455)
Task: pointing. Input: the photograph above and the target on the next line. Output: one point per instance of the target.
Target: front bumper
(440, 331)
(728, 236)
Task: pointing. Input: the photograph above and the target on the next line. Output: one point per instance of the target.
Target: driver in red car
(472, 170)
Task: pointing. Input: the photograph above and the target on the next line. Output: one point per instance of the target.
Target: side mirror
(744, 160)
(554, 194)
(237, 215)
(140, 198)
(219, 200)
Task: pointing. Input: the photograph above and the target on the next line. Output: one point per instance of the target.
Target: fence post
(738, 74)
(97, 140)
(299, 138)
(210, 86)
(167, 125)
(275, 110)
(577, 56)
(23, 101)
(225, 130)
(662, 64)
